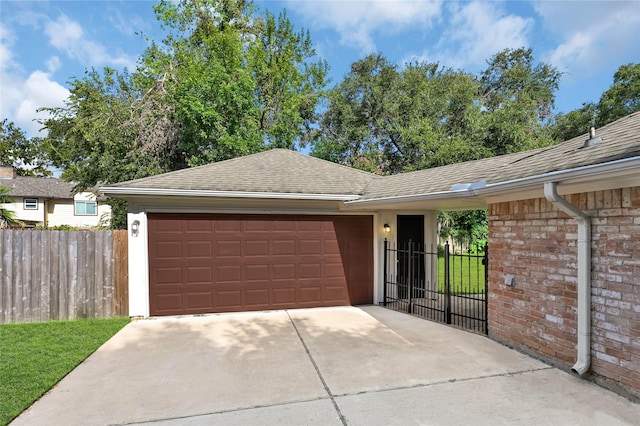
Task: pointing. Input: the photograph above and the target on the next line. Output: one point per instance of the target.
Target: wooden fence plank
(50, 275)
(54, 275)
(121, 273)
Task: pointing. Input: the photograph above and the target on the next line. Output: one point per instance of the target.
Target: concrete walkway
(326, 366)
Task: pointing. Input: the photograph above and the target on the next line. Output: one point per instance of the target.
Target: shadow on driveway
(344, 365)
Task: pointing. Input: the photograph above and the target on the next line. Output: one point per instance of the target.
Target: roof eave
(124, 191)
(590, 172)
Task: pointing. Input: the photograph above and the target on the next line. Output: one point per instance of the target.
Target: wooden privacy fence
(55, 275)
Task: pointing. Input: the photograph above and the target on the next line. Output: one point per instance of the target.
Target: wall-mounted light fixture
(387, 228)
(135, 228)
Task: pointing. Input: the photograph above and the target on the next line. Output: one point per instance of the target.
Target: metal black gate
(442, 285)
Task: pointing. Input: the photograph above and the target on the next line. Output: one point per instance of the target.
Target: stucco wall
(536, 243)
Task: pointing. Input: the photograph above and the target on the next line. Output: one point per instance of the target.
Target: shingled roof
(288, 172)
(274, 171)
(619, 140)
(38, 187)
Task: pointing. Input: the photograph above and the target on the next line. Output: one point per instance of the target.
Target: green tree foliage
(621, 99)
(425, 115)
(519, 99)
(222, 83)
(24, 154)
(7, 217)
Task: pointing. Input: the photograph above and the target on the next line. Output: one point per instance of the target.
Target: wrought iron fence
(440, 285)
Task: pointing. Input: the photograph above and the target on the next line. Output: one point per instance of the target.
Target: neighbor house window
(86, 208)
(31, 204)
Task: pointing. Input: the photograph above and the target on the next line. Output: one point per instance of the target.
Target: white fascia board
(584, 173)
(591, 172)
(410, 198)
(120, 191)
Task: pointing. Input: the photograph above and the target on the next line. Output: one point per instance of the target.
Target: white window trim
(75, 208)
(24, 204)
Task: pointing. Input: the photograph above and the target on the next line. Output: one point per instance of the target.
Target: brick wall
(536, 243)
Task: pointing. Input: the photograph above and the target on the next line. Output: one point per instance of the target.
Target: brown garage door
(204, 263)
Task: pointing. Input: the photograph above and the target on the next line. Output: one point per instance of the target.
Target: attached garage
(207, 263)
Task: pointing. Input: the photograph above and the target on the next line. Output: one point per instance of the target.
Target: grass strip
(36, 356)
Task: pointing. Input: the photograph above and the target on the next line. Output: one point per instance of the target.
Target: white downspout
(584, 275)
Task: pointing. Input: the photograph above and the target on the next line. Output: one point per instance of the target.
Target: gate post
(410, 277)
(384, 274)
(447, 285)
(485, 261)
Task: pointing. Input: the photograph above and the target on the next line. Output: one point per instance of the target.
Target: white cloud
(53, 64)
(20, 97)
(478, 30)
(69, 37)
(38, 91)
(10, 81)
(357, 21)
(591, 35)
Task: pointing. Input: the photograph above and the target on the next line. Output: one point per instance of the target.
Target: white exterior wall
(21, 214)
(60, 212)
(138, 264)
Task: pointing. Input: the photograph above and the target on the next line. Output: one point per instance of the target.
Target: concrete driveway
(326, 366)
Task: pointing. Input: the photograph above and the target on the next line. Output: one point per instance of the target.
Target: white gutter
(590, 171)
(123, 191)
(584, 275)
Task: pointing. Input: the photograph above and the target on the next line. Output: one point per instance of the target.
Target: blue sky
(44, 43)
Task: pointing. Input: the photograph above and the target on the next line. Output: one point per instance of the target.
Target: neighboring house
(280, 229)
(52, 202)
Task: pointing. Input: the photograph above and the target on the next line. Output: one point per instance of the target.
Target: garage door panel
(283, 247)
(199, 275)
(283, 271)
(169, 250)
(256, 248)
(229, 274)
(310, 270)
(283, 295)
(199, 249)
(257, 273)
(171, 276)
(230, 299)
(257, 297)
(199, 300)
(228, 248)
(203, 263)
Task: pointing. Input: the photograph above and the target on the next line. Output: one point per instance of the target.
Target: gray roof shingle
(276, 171)
(38, 187)
(620, 139)
(285, 171)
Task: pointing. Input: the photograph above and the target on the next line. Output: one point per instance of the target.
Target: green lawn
(467, 275)
(34, 357)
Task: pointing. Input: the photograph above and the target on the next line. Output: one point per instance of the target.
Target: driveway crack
(315, 365)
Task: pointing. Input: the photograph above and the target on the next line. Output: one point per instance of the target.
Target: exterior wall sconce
(387, 228)
(135, 228)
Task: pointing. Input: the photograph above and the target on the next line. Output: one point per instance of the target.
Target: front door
(410, 228)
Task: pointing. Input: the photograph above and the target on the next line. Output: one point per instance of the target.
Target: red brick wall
(536, 243)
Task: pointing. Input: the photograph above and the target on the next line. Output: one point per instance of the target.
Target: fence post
(384, 274)
(447, 285)
(410, 278)
(485, 261)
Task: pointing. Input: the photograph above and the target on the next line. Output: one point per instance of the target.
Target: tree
(221, 84)
(621, 99)
(519, 99)
(390, 120)
(24, 154)
(7, 217)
